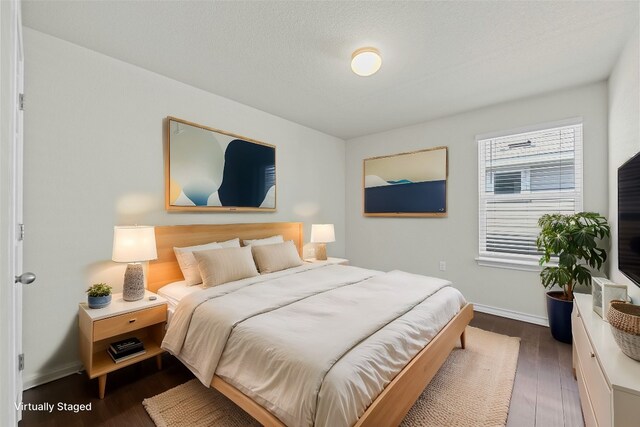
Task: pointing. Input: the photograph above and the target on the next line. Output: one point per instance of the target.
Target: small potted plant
(99, 295)
(573, 239)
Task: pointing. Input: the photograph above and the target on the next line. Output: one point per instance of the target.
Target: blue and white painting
(408, 184)
(209, 168)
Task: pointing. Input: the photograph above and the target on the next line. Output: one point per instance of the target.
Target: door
(18, 228)
(11, 221)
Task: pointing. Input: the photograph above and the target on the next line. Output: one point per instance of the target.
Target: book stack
(126, 349)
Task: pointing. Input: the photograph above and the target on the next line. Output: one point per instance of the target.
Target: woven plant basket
(625, 325)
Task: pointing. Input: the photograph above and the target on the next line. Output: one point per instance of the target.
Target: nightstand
(330, 260)
(121, 319)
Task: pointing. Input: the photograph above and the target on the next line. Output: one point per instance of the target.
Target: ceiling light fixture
(366, 61)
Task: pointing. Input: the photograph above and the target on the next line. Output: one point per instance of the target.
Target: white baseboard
(40, 378)
(510, 314)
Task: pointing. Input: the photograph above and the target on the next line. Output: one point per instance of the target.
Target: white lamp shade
(134, 244)
(322, 233)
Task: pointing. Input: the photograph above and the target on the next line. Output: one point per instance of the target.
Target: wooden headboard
(166, 270)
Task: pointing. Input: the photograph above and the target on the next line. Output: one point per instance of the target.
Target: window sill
(511, 264)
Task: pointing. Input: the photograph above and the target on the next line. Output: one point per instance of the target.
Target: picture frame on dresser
(208, 169)
(603, 291)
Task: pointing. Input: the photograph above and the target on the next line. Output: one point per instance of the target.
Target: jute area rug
(473, 388)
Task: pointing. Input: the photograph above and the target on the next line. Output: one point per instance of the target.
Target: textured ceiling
(292, 58)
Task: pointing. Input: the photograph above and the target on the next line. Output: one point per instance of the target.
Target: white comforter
(314, 345)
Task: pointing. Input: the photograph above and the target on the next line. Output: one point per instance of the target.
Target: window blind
(521, 177)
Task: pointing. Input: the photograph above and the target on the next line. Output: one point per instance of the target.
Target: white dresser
(609, 381)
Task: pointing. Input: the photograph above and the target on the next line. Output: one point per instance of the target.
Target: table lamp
(133, 245)
(322, 234)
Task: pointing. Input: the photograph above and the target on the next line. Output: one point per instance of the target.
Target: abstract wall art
(208, 169)
(407, 184)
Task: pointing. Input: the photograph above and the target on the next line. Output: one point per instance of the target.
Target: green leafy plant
(99, 290)
(574, 240)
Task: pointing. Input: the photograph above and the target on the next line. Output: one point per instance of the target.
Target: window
(523, 175)
(507, 182)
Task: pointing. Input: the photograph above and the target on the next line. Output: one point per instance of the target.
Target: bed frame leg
(463, 339)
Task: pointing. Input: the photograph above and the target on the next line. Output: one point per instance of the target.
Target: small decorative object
(134, 245)
(99, 295)
(408, 184)
(574, 240)
(207, 169)
(321, 234)
(624, 319)
(603, 292)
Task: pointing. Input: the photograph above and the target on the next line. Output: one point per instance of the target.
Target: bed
(384, 400)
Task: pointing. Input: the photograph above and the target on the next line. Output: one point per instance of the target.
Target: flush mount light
(366, 61)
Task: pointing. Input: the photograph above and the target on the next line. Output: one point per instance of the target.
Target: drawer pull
(593, 355)
(132, 320)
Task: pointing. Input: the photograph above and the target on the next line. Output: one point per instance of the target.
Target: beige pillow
(218, 266)
(276, 257)
(266, 241)
(189, 265)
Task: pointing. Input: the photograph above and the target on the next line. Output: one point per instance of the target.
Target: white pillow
(233, 243)
(220, 266)
(266, 241)
(189, 265)
(276, 257)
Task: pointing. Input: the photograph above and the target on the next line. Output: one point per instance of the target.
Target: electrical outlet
(443, 266)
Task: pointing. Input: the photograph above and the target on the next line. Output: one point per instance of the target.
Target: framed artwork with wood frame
(410, 184)
(208, 169)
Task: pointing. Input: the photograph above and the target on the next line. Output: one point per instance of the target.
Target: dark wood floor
(544, 394)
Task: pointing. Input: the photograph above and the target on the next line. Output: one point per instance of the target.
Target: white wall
(624, 138)
(418, 244)
(94, 159)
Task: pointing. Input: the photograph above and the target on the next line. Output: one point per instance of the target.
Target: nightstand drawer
(128, 322)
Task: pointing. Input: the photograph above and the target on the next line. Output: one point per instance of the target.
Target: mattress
(282, 339)
(174, 292)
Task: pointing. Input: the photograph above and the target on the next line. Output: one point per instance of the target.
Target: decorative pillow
(218, 266)
(276, 257)
(266, 241)
(188, 263)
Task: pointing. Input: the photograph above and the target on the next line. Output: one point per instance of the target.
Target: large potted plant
(572, 241)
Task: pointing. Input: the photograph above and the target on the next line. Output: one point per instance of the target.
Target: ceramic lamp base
(133, 287)
(321, 251)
